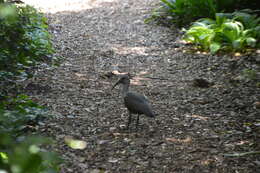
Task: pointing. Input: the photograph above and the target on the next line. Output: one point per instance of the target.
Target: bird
(135, 103)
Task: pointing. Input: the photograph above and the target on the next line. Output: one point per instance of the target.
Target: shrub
(16, 113)
(20, 154)
(26, 156)
(185, 11)
(24, 39)
(24, 42)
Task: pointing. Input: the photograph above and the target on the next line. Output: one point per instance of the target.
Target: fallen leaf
(103, 142)
(112, 160)
(200, 117)
(75, 144)
(186, 140)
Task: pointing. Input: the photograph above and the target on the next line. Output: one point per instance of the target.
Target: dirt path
(194, 127)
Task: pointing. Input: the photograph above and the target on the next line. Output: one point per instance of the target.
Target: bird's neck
(125, 90)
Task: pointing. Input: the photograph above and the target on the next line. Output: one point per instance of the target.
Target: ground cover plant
(185, 10)
(230, 31)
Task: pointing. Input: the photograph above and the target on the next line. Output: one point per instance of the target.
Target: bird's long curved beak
(115, 85)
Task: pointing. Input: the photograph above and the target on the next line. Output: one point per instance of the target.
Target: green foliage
(24, 42)
(185, 11)
(16, 113)
(249, 74)
(230, 31)
(24, 39)
(232, 5)
(26, 156)
(19, 154)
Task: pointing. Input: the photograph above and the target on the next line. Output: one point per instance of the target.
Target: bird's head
(125, 80)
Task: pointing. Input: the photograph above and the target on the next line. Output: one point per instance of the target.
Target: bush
(26, 156)
(16, 113)
(185, 11)
(24, 39)
(24, 42)
(230, 31)
(20, 154)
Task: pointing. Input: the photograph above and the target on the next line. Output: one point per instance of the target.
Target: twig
(241, 154)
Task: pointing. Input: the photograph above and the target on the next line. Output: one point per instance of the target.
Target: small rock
(112, 160)
(81, 159)
(257, 162)
(202, 83)
(257, 105)
(112, 129)
(257, 124)
(96, 171)
(103, 142)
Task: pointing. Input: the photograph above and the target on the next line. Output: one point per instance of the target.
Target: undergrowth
(229, 32)
(24, 43)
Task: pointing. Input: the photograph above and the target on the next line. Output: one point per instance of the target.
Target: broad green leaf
(222, 17)
(168, 3)
(251, 41)
(214, 47)
(237, 44)
(4, 157)
(206, 22)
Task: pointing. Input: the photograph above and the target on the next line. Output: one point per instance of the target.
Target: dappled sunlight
(141, 50)
(200, 117)
(143, 72)
(137, 80)
(207, 162)
(54, 6)
(243, 142)
(184, 141)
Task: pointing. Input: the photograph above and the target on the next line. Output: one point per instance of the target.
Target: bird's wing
(138, 104)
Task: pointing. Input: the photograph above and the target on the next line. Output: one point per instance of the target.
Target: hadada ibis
(134, 102)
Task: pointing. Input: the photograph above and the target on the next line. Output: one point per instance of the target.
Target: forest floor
(214, 128)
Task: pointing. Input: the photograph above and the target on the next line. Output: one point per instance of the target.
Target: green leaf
(222, 17)
(214, 47)
(75, 144)
(237, 44)
(251, 42)
(168, 3)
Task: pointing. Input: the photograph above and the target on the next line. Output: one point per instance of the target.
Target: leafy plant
(185, 11)
(24, 39)
(20, 154)
(26, 156)
(230, 31)
(16, 113)
(24, 42)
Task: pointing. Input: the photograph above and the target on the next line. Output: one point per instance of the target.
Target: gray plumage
(134, 102)
(138, 104)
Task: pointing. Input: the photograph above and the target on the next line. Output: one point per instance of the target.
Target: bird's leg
(129, 120)
(137, 122)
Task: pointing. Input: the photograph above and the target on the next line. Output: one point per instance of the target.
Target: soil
(198, 128)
